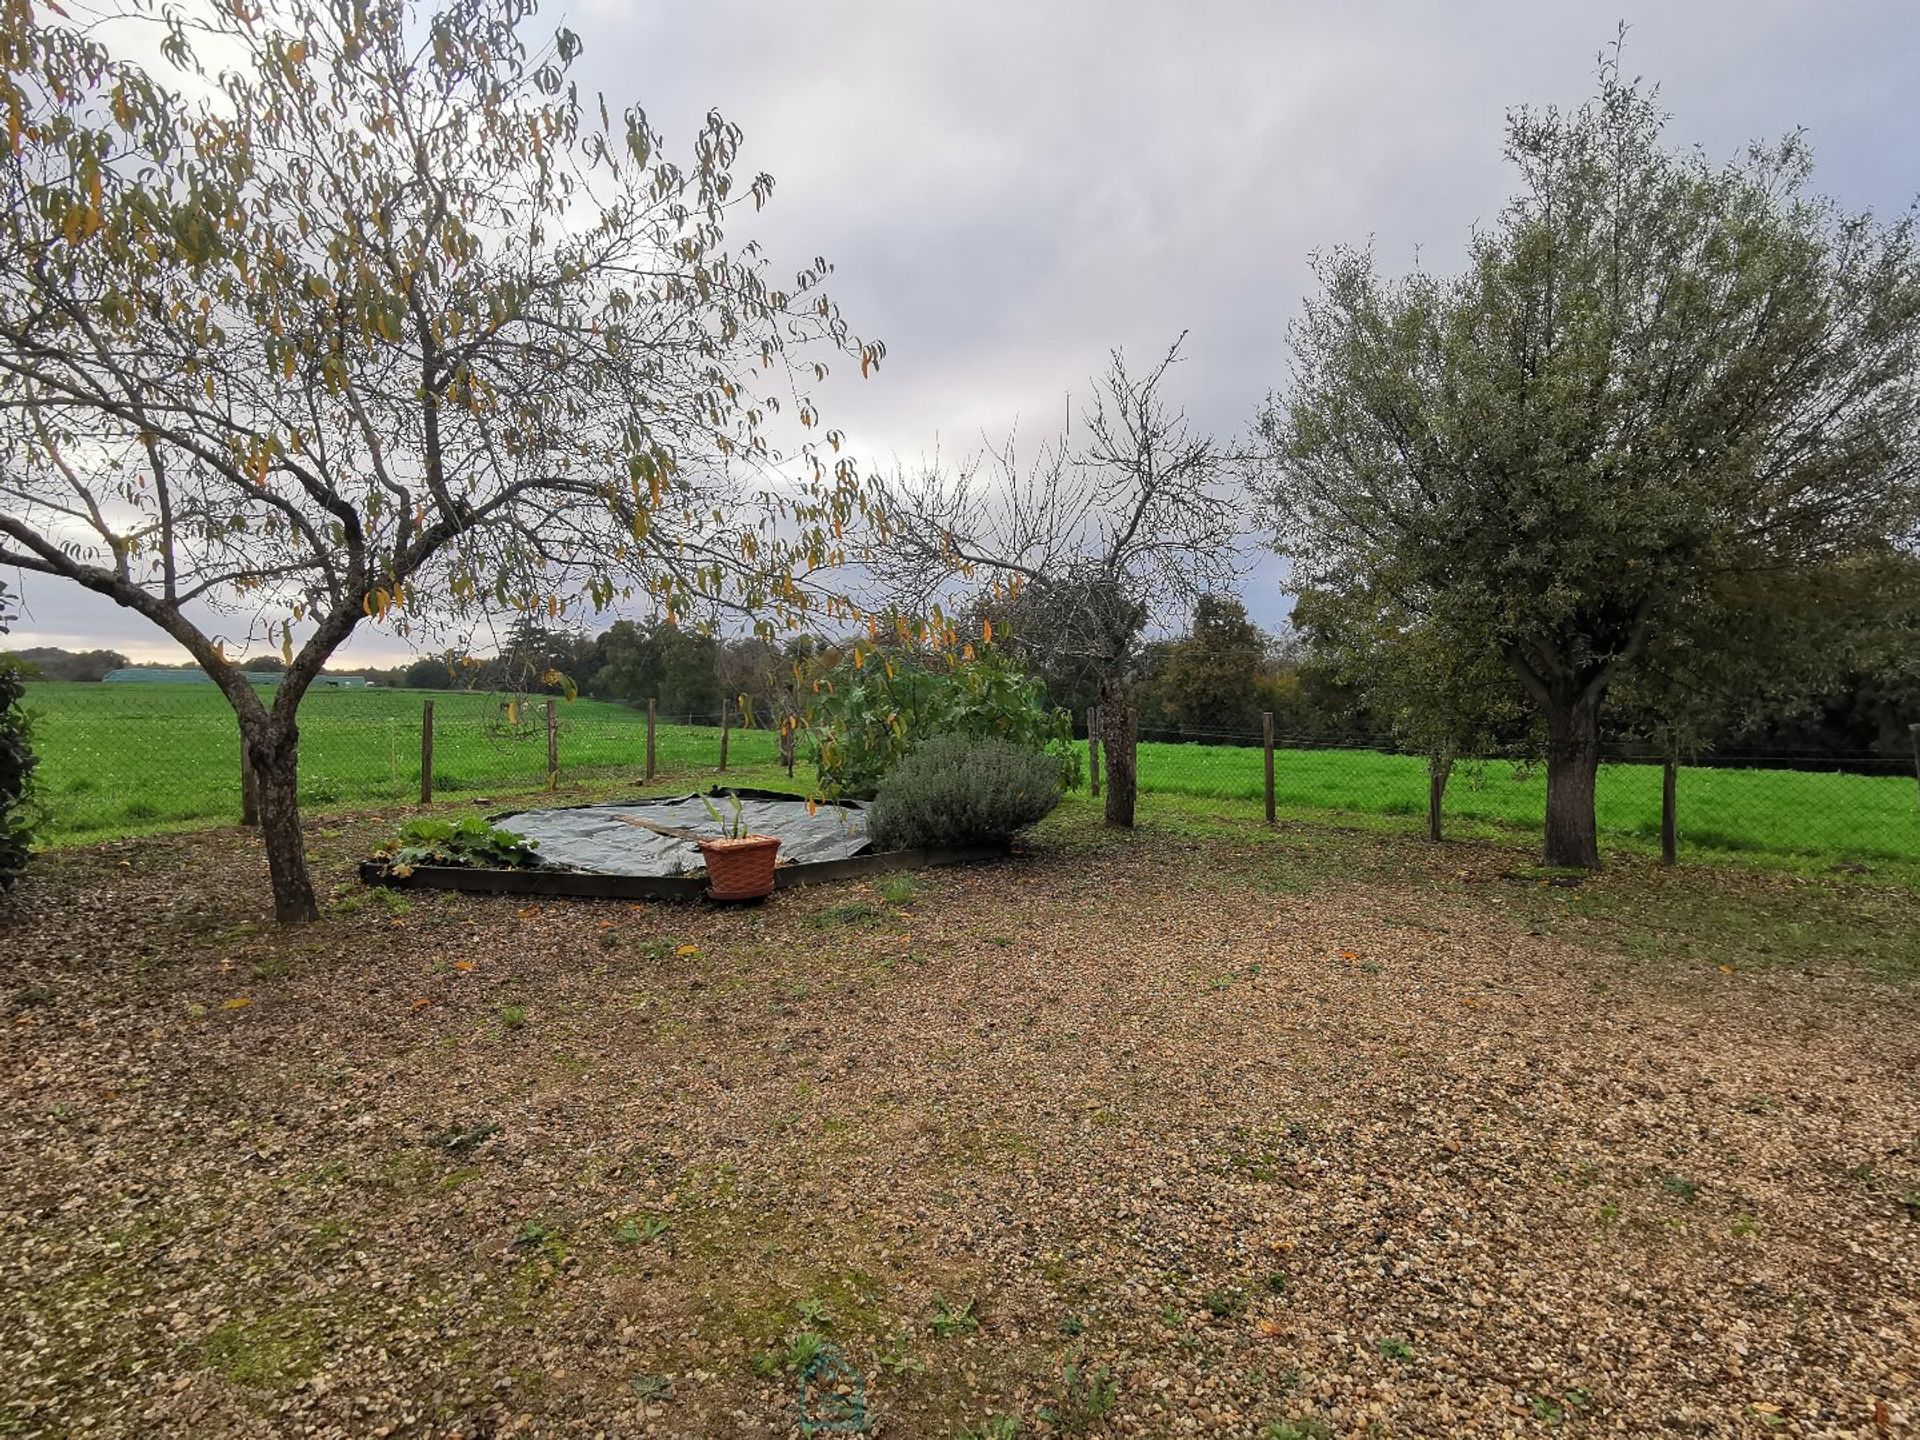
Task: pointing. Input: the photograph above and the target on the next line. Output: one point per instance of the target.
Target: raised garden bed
(588, 885)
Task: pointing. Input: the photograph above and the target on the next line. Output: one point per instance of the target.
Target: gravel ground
(1177, 1135)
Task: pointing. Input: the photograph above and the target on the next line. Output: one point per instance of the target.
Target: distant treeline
(1212, 684)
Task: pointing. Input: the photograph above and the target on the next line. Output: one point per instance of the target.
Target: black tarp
(596, 839)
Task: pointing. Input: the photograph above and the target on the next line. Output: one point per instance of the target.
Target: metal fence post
(726, 716)
(1093, 750)
(553, 749)
(426, 752)
(1266, 740)
(650, 709)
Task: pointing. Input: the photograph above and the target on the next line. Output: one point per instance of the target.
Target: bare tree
(1081, 551)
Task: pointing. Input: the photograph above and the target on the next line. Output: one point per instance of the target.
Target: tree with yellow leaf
(321, 316)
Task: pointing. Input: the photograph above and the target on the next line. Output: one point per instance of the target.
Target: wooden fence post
(1669, 826)
(1914, 731)
(1266, 740)
(249, 789)
(553, 749)
(726, 716)
(1093, 750)
(650, 709)
(426, 752)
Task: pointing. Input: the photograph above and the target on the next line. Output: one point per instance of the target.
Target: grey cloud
(1009, 189)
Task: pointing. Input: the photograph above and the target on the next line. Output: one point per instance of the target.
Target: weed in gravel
(1072, 1325)
(1083, 1398)
(798, 1351)
(1277, 1283)
(1394, 1348)
(900, 890)
(1226, 1303)
(847, 912)
(897, 1357)
(949, 1319)
(1680, 1186)
(1297, 1427)
(641, 1229)
(461, 1138)
(512, 1017)
(994, 1427)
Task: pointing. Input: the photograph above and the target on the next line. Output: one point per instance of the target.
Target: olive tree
(318, 316)
(1660, 379)
(1086, 546)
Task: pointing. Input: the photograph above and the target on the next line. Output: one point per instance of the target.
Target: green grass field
(120, 760)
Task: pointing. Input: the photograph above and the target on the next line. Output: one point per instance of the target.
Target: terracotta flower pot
(740, 869)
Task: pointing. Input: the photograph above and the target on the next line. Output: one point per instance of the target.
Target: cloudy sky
(1011, 187)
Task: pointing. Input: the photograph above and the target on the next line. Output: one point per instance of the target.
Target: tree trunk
(1439, 769)
(1119, 732)
(1573, 761)
(274, 750)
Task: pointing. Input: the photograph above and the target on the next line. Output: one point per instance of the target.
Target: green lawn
(120, 759)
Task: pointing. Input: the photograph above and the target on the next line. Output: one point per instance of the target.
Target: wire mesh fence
(1857, 806)
(119, 760)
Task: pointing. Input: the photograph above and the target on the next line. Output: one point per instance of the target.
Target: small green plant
(1394, 1348)
(1225, 1303)
(462, 1137)
(898, 1357)
(994, 1427)
(1679, 1185)
(733, 825)
(899, 890)
(796, 1353)
(1082, 1400)
(1072, 1325)
(512, 1017)
(1276, 1283)
(468, 841)
(949, 1319)
(641, 1229)
(1297, 1427)
(813, 1313)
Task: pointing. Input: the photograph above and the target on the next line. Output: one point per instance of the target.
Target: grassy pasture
(1789, 814)
(126, 759)
(121, 759)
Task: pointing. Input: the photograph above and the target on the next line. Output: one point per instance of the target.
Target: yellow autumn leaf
(687, 950)
(239, 1002)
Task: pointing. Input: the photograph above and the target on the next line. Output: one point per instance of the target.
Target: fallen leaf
(463, 965)
(1272, 1329)
(239, 1002)
(1726, 969)
(422, 1003)
(528, 913)
(687, 950)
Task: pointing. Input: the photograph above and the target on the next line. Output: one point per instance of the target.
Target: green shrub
(867, 718)
(953, 791)
(19, 811)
